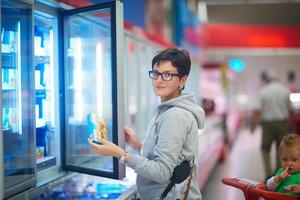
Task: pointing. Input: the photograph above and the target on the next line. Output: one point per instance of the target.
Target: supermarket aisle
(244, 161)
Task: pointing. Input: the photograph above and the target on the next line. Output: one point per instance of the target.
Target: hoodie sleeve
(171, 131)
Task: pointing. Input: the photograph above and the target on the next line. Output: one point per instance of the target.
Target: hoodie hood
(188, 102)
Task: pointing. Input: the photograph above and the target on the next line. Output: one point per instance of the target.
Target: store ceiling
(263, 12)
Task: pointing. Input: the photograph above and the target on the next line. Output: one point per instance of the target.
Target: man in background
(273, 109)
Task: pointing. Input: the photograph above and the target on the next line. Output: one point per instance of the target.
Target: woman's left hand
(106, 148)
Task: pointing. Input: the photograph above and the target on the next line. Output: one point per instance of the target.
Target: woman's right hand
(132, 139)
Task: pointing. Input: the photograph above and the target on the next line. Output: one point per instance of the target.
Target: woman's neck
(167, 98)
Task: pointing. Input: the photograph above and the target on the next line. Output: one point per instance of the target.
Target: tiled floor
(244, 160)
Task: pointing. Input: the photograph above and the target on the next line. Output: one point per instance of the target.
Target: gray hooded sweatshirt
(172, 136)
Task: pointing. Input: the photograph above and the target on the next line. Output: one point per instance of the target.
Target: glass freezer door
(91, 48)
(17, 97)
(46, 95)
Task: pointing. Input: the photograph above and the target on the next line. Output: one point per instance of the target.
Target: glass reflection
(17, 101)
(88, 85)
(44, 67)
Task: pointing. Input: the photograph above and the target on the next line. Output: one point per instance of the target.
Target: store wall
(134, 12)
(246, 85)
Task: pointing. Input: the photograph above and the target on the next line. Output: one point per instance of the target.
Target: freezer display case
(17, 96)
(1, 134)
(92, 83)
(46, 89)
(92, 187)
(140, 99)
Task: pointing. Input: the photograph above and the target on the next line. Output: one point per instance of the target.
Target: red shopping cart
(255, 190)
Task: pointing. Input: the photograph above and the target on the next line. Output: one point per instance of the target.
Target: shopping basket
(255, 190)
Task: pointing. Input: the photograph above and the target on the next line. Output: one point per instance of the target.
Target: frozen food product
(102, 129)
(97, 127)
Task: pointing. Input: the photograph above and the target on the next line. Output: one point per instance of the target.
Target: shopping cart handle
(242, 183)
(253, 190)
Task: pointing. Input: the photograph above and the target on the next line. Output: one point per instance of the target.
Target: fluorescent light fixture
(19, 121)
(99, 79)
(295, 97)
(51, 65)
(202, 12)
(77, 80)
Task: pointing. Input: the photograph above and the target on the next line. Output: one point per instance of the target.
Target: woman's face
(290, 157)
(167, 90)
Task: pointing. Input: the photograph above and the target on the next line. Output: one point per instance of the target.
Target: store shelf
(41, 60)
(9, 60)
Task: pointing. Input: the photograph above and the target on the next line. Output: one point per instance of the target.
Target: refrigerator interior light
(2, 35)
(52, 99)
(37, 47)
(18, 42)
(77, 79)
(99, 91)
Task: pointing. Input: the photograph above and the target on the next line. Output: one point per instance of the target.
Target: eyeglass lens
(164, 75)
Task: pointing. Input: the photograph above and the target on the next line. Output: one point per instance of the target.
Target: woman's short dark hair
(180, 59)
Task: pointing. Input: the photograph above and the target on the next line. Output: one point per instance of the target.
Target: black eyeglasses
(166, 76)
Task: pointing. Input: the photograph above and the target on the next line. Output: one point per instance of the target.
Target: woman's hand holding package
(106, 148)
(131, 139)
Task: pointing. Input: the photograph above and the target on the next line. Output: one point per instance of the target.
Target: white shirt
(274, 102)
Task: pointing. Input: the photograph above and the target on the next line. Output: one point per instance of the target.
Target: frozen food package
(97, 127)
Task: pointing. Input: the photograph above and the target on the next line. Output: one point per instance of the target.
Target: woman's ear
(183, 80)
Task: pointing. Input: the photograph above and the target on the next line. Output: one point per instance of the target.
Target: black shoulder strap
(181, 172)
(186, 193)
(167, 190)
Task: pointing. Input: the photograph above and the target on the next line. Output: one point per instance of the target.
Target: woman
(172, 135)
